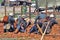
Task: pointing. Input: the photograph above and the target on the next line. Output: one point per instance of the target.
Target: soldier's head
(23, 16)
(51, 15)
(36, 11)
(11, 14)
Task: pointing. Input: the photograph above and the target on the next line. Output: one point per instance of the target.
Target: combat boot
(4, 30)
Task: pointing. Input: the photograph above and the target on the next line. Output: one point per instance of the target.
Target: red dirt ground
(54, 35)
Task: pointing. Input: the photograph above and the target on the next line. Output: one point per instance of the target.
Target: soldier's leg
(44, 27)
(4, 27)
(40, 24)
(17, 29)
(25, 25)
(52, 22)
(29, 23)
(5, 30)
(22, 30)
(11, 28)
(33, 29)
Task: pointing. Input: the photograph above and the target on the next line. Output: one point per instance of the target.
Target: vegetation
(0, 1)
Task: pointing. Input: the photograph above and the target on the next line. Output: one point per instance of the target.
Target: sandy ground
(54, 35)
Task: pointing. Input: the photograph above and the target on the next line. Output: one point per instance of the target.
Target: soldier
(52, 20)
(40, 19)
(11, 22)
(43, 23)
(8, 23)
(21, 25)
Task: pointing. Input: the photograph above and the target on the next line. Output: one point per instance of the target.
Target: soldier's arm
(39, 29)
(36, 19)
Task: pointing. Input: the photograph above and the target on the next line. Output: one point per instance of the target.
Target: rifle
(39, 29)
(45, 30)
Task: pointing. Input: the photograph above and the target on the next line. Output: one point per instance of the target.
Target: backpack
(5, 19)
